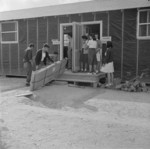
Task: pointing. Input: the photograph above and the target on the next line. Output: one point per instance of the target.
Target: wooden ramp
(47, 74)
(81, 77)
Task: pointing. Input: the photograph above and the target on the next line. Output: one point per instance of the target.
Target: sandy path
(27, 124)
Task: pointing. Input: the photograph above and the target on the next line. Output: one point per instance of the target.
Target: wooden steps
(81, 77)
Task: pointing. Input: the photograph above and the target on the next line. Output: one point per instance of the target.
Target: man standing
(41, 57)
(28, 63)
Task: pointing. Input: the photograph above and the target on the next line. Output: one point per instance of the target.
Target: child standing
(84, 54)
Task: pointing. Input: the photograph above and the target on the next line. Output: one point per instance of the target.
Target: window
(9, 32)
(144, 24)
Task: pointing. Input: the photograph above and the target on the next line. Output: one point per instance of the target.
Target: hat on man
(46, 45)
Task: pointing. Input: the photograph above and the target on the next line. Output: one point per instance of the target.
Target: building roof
(73, 8)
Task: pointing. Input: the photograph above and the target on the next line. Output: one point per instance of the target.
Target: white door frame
(62, 38)
(71, 24)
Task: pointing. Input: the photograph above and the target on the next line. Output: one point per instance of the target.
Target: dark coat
(109, 56)
(28, 55)
(38, 57)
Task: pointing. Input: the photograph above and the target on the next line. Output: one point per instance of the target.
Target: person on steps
(84, 54)
(92, 44)
(109, 64)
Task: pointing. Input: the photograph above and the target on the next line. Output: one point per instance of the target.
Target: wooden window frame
(139, 24)
(9, 42)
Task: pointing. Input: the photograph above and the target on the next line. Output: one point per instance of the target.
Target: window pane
(9, 37)
(143, 30)
(9, 26)
(143, 16)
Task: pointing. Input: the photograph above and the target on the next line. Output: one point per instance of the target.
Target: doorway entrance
(77, 30)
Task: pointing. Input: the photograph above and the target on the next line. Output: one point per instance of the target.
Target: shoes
(108, 85)
(93, 73)
(89, 73)
(27, 84)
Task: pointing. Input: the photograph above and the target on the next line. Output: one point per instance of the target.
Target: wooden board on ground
(28, 93)
(47, 74)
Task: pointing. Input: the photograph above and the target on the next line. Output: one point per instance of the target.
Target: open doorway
(67, 31)
(76, 30)
(91, 29)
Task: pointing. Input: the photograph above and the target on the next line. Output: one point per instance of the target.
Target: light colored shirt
(43, 56)
(92, 44)
(66, 40)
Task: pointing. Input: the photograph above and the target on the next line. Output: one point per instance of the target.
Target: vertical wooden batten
(94, 16)
(10, 59)
(137, 62)
(27, 33)
(37, 33)
(58, 22)
(122, 46)
(18, 51)
(108, 24)
(47, 30)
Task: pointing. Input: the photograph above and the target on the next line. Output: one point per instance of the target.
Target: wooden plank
(28, 93)
(47, 74)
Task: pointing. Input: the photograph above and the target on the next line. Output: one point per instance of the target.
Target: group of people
(91, 54)
(91, 57)
(38, 62)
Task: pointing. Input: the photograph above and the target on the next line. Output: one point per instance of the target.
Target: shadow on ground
(58, 97)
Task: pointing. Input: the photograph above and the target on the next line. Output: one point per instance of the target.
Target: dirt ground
(63, 117)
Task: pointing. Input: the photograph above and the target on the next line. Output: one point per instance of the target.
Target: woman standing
(84, 54)
(92, 44)
(109, 64)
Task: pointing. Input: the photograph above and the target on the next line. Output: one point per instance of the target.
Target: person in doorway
(92, 44)
(98, 53)
(41, 57)
(66, 43)
(109, 64)
(70, 47)
(28, 62)
(84, 54)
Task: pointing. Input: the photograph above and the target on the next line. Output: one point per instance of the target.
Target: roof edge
(73, 8)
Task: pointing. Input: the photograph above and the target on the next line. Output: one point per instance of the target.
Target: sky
(7, 5)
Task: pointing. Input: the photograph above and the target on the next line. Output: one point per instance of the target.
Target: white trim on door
(71, 24)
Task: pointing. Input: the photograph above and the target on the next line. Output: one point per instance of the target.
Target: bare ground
(62, 117)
